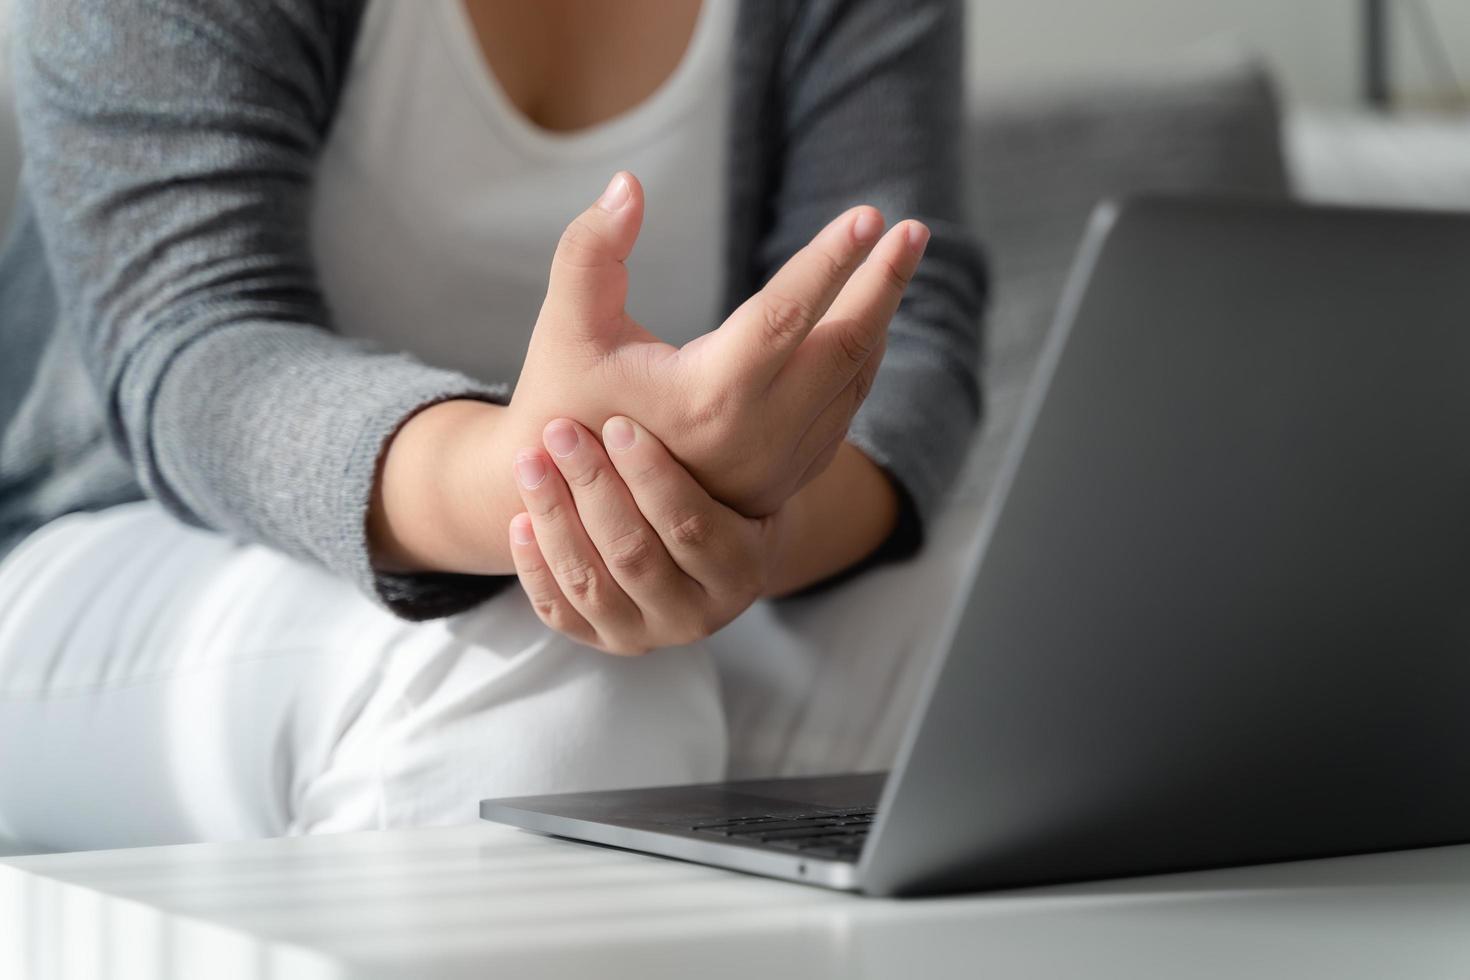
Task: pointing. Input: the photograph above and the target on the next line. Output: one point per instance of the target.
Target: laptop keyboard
(836, 835)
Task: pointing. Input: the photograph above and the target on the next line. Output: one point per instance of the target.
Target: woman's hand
(753, 410)
(624, 550)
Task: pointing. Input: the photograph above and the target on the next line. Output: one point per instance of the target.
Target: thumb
(589, 282)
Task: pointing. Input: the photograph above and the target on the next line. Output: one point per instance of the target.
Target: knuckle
(853, 344)
(896, 279)
(585, 477)
(641, 472)
(710, 409)
(580, 243)
(693, 532)
(555, 614)
(578, 580)
(546, 608)
(549, 508)
(832, 268)
(631, 553)
(785, 316)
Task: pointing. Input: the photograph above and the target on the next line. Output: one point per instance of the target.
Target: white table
(484, 901)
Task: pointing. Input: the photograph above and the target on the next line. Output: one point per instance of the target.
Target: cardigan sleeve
(871, 112)
(170, 147)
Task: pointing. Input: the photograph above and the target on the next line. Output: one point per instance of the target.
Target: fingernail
(616, 194)
(520, 529)
(562, 438)
(530, 469)
(618, 434)
(867, 228)
(918, 237)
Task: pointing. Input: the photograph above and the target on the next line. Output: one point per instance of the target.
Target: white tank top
(438, 204)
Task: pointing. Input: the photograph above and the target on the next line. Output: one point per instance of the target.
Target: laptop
(1219, 611)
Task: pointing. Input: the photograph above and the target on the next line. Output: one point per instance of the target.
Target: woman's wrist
(445, 492)
(833, 523)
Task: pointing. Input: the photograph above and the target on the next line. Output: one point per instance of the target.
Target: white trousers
(161, 684)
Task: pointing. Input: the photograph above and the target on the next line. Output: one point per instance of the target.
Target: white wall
(1313, 44)
(1415, 80)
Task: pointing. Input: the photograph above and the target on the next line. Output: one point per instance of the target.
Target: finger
(545, 595)
(855, 327)
(574, 561)
(831, 425)
(588, 287)
(717, 547)
(630, 549)
(762, 333)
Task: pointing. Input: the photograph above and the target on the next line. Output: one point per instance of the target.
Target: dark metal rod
(1377, 70)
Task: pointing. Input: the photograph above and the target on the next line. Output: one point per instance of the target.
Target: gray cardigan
(162, 334)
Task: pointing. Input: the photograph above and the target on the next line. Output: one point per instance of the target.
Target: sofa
(828, 683)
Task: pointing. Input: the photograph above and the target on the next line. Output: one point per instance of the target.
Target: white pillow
(828, 683)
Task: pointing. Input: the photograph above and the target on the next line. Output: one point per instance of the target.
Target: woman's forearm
(446, 492)
(836, 521)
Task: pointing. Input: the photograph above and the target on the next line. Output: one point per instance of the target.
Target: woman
(262, 480)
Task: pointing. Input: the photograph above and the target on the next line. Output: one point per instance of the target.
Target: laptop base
(681, 821)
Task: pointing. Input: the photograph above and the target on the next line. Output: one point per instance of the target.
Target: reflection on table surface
(455, 901)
